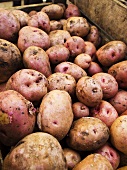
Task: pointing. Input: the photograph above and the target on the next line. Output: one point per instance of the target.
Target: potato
(36, 58)
(31, 36)
(94, 68)
(55, 113)
(30, 83)
(70, 68)
(54, 11)
(72, 157)
(9, 30)
(108, 84)
(110, 153)
(36, 151)
(33, 12)
(58, 54)
(58, 37)
(10, 60)
(118, 71)
(105, 112)
(90, 49)
(80, 110)
(17, 117)
(94, 162)
(83, 60)
(55, 25)
(62, 81)
(118, 133)
(87, 134)
(111, 53)
(77, 26)
(119, 101)
(40, 20)
(89, 91)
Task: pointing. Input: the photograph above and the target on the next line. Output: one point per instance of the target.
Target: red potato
(36, 58)
(30, 83)
(108, 84)
(33, 12)
(31, 36)
(111, 154)
(83, 60)
(70, 68)
(94, 68)
(17, 117)
(55, 25)
(40, 20)
(80, 110)
(90, 49)
(105, 112)
(58, 54)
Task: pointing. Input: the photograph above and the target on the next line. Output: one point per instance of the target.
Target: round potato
(33, 12)
(94, 68)
(36, 151)
(89, 91)
(55, 25)
(55, 113)
(90, 49)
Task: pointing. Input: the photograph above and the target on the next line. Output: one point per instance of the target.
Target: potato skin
(55, 113)
(17, 117)
(55, 25)
(94, 68)
(36, 151)
(87, 134)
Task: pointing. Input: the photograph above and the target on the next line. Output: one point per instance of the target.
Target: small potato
(58, 54)
(94, 162)
(28, 82)
(36, 58)
(80, 110)
(94, 68)
(111, 53)
(72, 157)
(111, 154)
(62, 81)
(55, 113)
(58, 37)
(87, 134)
(70, 68)
(40, 20)
(17, 117)
(105, 112)
(63, 22)
(90, 49)
(108, 84)
(77, 26)
(55, 25)
(31, 36)
(83, 60)
(54, 11)
(89, 91)
(33, 12)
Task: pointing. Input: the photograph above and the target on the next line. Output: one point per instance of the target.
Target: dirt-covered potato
(55, 113)
(118, 71)
(10, 60)
(58, 37)
(17, 117)
(105, 112)
(9, 26)
(36, 58)
(94, 162)
(87, 134)
(118, 133)
(28, 82)
(58, 54)
(94, 68)
(21, 16)
(40, 20)
(72, 157)
(80, 110)
(111, 53)
(108, 84)
(36, 151)
(70, 68)
(55, 25)
(62, 81)
(54, 11)
(31, 36)
(77, 26)
(89, 91)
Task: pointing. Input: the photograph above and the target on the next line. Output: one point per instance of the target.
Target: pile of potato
(63, 93)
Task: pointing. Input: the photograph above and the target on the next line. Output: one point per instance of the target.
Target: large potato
(17, 117)
(55, 113)
(36, 151)
(10, 60)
